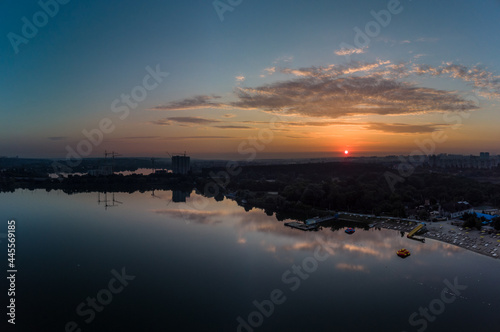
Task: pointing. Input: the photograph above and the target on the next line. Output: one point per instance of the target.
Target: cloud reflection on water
(278, 239)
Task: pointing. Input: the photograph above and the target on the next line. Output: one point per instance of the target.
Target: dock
(302, 226)
(318, 220)
(310, 224)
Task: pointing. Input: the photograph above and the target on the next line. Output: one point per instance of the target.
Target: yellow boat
(403, 253)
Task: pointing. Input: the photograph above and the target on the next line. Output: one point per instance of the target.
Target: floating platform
(302, 226)
(319, 220)
(417, 239)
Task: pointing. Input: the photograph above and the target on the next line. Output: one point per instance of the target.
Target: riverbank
(471, 239)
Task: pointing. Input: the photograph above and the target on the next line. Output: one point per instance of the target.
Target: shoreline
(469, 239)
(474, 240)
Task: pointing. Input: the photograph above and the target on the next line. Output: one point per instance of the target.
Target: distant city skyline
(251, 80)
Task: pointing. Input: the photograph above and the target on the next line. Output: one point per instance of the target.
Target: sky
(243, 79)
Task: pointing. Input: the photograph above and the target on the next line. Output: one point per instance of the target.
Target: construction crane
(176, 154)
(153, 164)
(106, 200)
(113, 154)
(153, 194)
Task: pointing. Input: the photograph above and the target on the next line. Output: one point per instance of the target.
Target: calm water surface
(203, 265)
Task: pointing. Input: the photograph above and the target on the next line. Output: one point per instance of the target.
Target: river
(184, 262)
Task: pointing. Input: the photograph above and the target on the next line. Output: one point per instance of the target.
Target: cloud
(417, 56)
(333, 71)
(233, 127)
(386, 127)
(351, 267)
(298, 136)
(196, 216)
(140, 137)
(198, 137)
(183, 120)
(401, 128)
(270, 70)
(162, 122)
(284, 59)
(427, 40)
(316, 123)
(240, 78)
(229, 115)
(196, 102)
(477, 76)
(192, 119)
(57, 138)
(355, 88)
(316, 96)
(350, 51)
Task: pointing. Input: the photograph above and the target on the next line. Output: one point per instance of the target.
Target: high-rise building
(103, 170)
(484, 155)
(181, 164)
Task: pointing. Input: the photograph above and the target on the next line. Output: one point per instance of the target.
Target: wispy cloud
(200, 217)
(480, 78)
(184, 120)
(140, 137)
(351, 267)
(298, 136)
(162, 122)
(350, 51)
(197, 137)
(417, 56)
(240, 78)
(334, 71)
(233, 127)
(196, 102)
(427, 40)
(270, 70)
(316, 123)
(284, 59)
(401, 128)
(393, 42)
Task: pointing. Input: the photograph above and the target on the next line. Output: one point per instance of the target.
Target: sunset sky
(295, 78)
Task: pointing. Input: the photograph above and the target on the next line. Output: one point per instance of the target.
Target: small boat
(403, 253)
(350, 230)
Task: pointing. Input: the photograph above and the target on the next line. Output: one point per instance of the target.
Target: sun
(346, 152)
